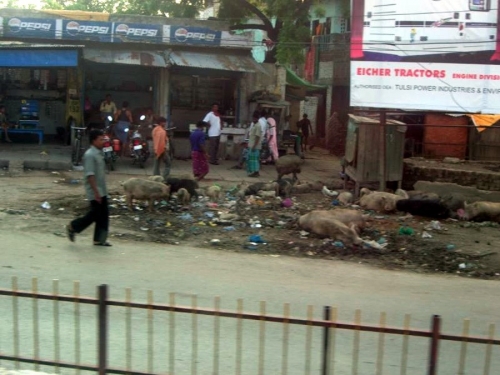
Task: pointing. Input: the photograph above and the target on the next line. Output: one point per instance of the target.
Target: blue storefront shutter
(37, 58)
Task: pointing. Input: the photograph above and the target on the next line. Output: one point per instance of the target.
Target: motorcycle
(110, 149)
(139, 149)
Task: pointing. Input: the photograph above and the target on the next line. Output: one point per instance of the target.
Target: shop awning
(37, 57)
(483, 121)
(220, 61)
(293, 79)
(145, 58)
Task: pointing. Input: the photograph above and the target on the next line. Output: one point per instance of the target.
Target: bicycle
(78, 149)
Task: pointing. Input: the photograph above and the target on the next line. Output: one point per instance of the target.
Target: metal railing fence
(107, 335)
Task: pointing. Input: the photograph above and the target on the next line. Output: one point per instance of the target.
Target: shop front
(35, 88)
(127, 75)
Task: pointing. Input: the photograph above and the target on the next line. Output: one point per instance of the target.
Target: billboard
(87, 30)
(133, 32)
(29, 28)
(426, 55)
(193, 36)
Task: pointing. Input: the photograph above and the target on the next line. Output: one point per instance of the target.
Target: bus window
(480, 5)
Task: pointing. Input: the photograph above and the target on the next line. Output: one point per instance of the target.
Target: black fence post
(434, 349)
(326, 342)
(102, 327)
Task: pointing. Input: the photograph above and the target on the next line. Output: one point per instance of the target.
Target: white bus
(406, 28)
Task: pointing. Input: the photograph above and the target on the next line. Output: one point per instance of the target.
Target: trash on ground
(406, 231)
(426, 234)
(46, 205)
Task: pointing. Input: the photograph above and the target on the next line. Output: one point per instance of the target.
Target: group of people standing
(262, 131)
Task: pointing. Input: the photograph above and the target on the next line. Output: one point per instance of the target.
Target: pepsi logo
(181, 35)
(16, 25)
(72, 28)
(121, 29)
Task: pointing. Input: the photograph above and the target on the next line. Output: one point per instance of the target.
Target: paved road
(255, 278)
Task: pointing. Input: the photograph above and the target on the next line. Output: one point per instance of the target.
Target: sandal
(102, 244)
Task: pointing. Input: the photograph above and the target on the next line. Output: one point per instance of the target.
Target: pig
(379, 201)
(324, 224)
(423, 207)
(417, 194)
(347, 216)
(364, 191)
(402, 193)
(136, 188)
(288, 164)
(255, 188)
(214, 192)
(183, 196)
(345, 198)
(186, 183)
(453, 201)
(481, 211)
(156, 178)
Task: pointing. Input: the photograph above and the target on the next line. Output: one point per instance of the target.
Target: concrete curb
(47, 165)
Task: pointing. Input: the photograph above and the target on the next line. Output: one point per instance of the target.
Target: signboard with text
(194, 35)
(87, 30)
(133, 32)
(29, 28)
(426, 55)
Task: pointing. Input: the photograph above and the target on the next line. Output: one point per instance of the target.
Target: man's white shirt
(215, 124)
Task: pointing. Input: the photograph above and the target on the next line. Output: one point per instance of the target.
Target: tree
(290, 30)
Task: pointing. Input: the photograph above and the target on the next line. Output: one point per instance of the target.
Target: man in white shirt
(215, 128)
(263, 122)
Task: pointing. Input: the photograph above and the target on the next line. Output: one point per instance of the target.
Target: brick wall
(479, 179)
(445, 140)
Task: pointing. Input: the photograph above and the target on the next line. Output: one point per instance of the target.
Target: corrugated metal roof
(13, 45)
(145, 58)
(214, 61)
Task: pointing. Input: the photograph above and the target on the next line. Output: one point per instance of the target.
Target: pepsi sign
(132, 32)
(87, 30)
(29, 27)
(194, 35)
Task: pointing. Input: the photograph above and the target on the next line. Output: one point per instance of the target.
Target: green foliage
(289, 26)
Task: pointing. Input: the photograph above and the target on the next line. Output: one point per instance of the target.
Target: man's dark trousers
(98, 214)
(214, 148)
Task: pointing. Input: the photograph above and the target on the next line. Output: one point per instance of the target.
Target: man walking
(214, 131)
(95, 188)
(254, 144)
(304, 127)
(161, 148)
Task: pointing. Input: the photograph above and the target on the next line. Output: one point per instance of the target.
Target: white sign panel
(426, 54)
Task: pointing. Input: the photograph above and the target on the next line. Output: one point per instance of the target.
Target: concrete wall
(478, 179)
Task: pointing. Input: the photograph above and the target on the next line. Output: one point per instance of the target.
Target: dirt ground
(462, 248)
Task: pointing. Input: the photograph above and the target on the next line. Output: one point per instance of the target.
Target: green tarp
(293, 79)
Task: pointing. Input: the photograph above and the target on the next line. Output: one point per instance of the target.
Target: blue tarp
(38, 58)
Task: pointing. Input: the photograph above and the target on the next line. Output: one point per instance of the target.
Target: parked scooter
(139, 149)
(111, 147)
